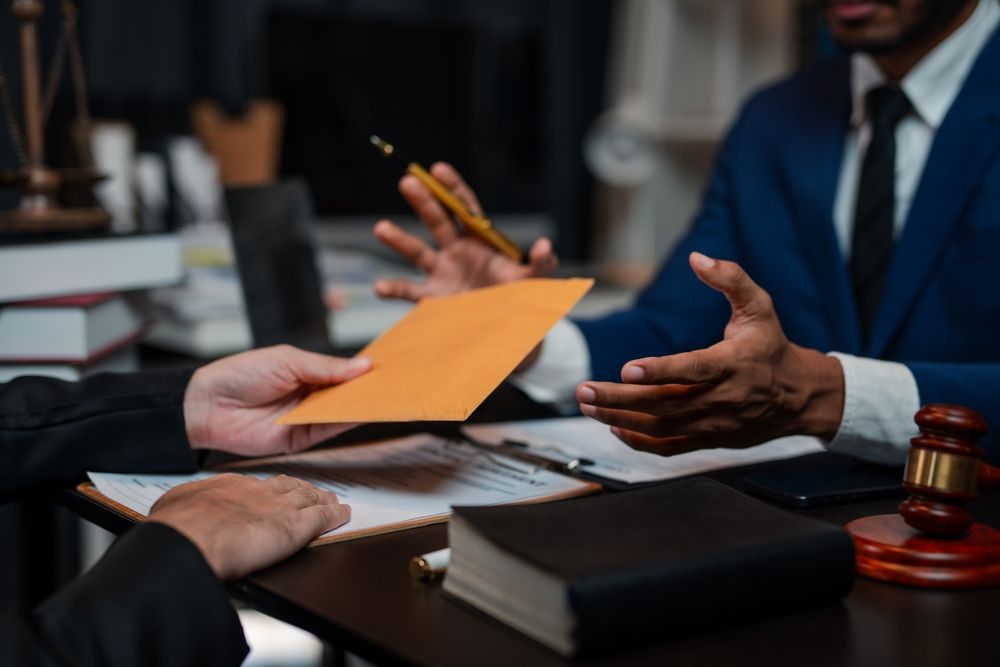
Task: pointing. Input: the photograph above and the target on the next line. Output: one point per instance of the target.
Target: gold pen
(430, 566)
(477, 224)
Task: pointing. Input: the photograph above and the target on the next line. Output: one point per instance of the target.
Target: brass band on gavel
(946, 472)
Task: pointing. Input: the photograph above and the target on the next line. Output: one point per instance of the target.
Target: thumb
(743, 294)
(322, 369)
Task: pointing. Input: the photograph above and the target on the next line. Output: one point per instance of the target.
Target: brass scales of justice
(39, 210)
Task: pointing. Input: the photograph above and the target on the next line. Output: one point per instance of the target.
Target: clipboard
(556, 461)
(88, 489)
(580, 488)
(563, 442)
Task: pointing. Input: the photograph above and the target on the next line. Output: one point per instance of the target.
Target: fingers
(400, 289)
(542, 260)
(308, 435)
(639, 422)
(430, 210)
(450, 177)
(282, 483)
(654, 425)
(306, 495)
(317, 511)
(318, 369)
(661, 446)
(686, 368)
(744, 295)
(297, 493)
(411, 248)
(319, 519)
(437, 218)
(639, 397)
(301, 437)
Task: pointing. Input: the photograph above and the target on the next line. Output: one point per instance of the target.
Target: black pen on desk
(477, 224)
(569, 465)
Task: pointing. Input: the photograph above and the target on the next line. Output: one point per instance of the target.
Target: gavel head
(942, 469)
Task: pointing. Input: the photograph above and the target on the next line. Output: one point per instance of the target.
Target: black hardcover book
(590, 574)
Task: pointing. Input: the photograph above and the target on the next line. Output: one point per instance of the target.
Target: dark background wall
(505, 89)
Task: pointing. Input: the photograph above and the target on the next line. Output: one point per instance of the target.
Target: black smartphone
(818, 487)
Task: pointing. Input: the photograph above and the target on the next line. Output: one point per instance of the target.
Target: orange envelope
(446, 356)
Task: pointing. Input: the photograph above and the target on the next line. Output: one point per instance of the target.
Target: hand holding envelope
(446, 356)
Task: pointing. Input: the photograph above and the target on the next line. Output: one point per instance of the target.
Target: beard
(915, 21)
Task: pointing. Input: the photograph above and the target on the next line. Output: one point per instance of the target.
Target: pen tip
(379, 143)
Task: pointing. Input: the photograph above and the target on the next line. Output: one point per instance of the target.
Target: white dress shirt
(880, 397)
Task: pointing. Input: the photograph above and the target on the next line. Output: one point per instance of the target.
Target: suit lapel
(814, 163)
(964, 146)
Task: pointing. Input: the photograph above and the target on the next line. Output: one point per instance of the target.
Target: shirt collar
(934, 83)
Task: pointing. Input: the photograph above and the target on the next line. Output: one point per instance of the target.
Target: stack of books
(68, 337)
(62, 313)
(205, 316)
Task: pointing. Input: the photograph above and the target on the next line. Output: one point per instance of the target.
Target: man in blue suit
(863, 197)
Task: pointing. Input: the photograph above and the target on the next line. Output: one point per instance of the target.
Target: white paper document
(408, 480)
(585, 438)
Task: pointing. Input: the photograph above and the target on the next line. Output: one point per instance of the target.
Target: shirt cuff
(880, 399)
(563, 363)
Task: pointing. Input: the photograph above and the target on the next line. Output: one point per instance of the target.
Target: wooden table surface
(358, 596)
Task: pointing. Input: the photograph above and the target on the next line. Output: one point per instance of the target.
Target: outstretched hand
(242, 524)
(752, 386)
(233, 404)
(460, 262)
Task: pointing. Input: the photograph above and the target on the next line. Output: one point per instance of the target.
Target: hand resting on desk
(243, 524)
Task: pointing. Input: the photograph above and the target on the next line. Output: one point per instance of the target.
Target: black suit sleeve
(152, 600)
(54, 431)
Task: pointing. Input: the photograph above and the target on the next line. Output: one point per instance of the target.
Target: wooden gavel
(944, 468)
(933, 541)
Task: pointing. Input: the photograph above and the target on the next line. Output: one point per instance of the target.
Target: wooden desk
(359, 597)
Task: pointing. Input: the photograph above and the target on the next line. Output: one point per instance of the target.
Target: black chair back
(275, 254)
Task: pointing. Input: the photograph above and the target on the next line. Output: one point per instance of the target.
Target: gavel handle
(989, 475)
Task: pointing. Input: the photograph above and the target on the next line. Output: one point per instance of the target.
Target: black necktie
(871, 244)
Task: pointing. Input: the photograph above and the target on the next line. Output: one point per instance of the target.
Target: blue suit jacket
(769, 206)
